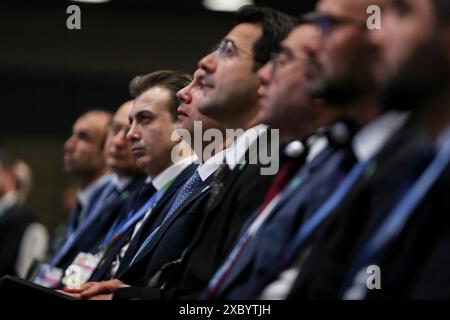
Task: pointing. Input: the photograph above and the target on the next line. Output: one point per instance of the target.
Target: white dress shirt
(235, 154)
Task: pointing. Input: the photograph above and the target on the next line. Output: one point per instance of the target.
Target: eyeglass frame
(274, 58)
(219, 49)
(333, 20)
(115, 129)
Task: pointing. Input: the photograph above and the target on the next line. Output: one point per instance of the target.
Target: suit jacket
(317, 180)
(92, 237)
(13, 224)
(242, 193)
(364, 206)
(415, 265)
(169, 241)
(103, 273)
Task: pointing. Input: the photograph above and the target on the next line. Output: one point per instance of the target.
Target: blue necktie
(395, 221)
(188, 188)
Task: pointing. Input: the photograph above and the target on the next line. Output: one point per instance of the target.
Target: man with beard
(410, 245)
(384, 139)
(231, 85)
(370, 191)
(298, 187)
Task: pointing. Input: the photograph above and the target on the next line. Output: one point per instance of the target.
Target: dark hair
(7, 161)
(275, 27)
(442, 11)
(173, 81)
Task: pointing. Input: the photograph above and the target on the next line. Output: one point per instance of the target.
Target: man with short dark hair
(162, 234)
(409, 245)
(391, 148)
(231, 98)
(110, 198)
(83, 158)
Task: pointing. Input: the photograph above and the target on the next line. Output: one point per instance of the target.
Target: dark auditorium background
(49, 74)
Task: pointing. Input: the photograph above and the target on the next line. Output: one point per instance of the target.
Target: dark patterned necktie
(217, 183)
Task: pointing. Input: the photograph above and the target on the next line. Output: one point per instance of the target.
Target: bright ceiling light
(91, 1)
(225, 5)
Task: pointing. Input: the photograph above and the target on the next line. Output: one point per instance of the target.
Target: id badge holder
(81, 269)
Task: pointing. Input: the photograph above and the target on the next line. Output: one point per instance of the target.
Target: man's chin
(142, 162)
(265, 116)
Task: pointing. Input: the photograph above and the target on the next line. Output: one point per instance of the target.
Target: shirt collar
(316, 147)
(120, 183)
(210, 166)
(372, 137)
(171, 172)
(236, 152)
(85, 196)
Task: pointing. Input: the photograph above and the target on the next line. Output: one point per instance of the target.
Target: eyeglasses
(228, 49)
(327, 22)
(117, 128)
(281, 56)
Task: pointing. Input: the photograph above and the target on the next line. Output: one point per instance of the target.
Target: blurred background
(49, 75)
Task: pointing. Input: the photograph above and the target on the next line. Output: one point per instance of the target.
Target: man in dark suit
(165, 233)
(386, 167)
(22, 238)
(415, 72)
(84, 159)
(239, 187)
(350, 87)
(291, 109)
(126, 178)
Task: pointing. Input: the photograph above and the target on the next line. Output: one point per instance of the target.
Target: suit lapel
(288, 202)
(176, 184)
(132, 249)
(166, 225)
(300, 179)
(107, 211)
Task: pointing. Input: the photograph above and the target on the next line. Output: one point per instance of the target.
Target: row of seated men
(335, 187)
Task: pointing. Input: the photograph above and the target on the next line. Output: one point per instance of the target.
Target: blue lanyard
(74, 236)
(120, 228)
(326, 209)
(397, 219)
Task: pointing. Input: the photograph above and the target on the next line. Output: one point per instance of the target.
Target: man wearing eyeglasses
(351, 89)
(414, 70)
(390, 148)
(231, 98)
(287, 105)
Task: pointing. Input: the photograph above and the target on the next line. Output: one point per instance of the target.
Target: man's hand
(73, 295)
(91, 290)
